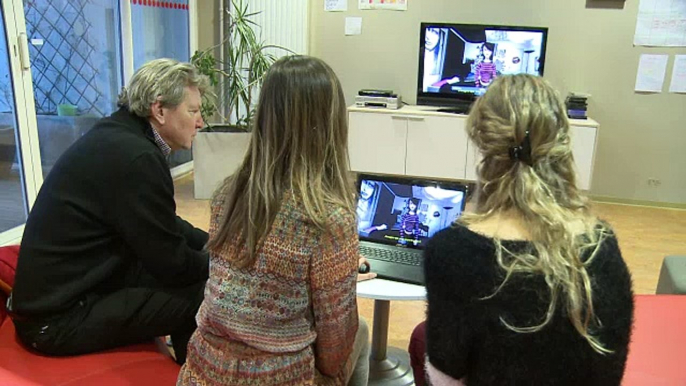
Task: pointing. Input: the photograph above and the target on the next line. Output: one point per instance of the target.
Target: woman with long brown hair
(531, 288)
(280, 305)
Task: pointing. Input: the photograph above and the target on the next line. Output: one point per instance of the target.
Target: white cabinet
(407, 142)
(377, 143)
(418, 141)
(436, 147)
(583, 148)
(473, 159)
(583, 136)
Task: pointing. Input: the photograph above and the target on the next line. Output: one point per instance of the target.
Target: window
(161, 30)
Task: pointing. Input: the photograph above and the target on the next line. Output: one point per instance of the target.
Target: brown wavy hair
(299, 143)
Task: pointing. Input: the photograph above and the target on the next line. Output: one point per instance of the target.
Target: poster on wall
(335, 5)
(394, 5)
(353, 26)
(651, 73)
(661, 23)
(678, 75)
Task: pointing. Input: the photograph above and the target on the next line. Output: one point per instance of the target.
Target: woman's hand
(367, 275)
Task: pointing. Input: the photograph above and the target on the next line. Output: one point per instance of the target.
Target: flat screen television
(457, 62)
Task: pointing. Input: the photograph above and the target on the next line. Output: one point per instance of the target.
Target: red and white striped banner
(161, 4)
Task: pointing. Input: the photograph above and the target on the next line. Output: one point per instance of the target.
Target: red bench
(143, 364)
(657, 354)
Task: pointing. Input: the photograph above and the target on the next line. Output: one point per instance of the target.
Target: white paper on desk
(678, 83)
(651, 73)
(353, 25)
(335, 5)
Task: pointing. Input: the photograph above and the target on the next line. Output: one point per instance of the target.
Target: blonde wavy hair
(299, 143)
(541, 188)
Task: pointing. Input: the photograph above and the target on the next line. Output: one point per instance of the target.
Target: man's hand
(362, 262)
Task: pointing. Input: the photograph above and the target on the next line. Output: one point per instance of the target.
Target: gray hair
(160, 79)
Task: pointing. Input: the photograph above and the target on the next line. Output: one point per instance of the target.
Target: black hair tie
(523, 151)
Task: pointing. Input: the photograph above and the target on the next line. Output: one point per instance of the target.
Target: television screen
(459, 61)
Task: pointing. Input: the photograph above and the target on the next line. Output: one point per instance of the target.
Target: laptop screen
(406, 212)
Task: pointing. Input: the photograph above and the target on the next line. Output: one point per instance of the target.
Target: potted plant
(219, 148)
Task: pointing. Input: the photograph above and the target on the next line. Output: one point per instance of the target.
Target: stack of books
(577, 105)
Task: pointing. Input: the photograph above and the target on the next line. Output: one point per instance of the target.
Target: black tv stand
(455, 110)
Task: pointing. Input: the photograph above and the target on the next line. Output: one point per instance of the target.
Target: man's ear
(157, 112)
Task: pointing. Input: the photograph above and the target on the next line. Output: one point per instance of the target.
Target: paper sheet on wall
(678, 83)
(335, 5)
(353, 25)
(395, 5)
(651, 73)
(661, 23)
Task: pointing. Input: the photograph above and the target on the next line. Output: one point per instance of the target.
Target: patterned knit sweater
(290, 318)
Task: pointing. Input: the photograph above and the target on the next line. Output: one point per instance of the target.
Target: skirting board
(181, 170)
(646, 203)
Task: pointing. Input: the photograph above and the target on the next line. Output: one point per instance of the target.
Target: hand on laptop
(364, 271)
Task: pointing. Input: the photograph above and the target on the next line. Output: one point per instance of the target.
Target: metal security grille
(61, 53)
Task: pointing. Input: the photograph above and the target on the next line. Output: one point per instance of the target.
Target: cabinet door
(377, 143)
(583, 147)
(473, 159)
(436, 147)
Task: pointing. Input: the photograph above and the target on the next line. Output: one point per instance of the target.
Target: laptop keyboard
(394, 256)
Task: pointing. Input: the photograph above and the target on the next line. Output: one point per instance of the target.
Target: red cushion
(8, 265)
(9, 378)
(141, 364)
(658, 342)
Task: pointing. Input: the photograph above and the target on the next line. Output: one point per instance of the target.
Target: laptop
(396, 216)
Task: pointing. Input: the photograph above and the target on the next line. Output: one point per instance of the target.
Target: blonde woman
(280, 305)
(531, 289)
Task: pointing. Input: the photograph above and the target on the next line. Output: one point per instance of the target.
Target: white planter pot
(216, 156)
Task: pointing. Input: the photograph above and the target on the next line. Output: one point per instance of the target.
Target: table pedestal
(387, 365)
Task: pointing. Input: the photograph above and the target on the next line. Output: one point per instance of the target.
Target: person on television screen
(409, 223)
(365, 204)
(433, 56)
(485, 71)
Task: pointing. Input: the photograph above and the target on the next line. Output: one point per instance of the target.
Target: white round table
(388, 365)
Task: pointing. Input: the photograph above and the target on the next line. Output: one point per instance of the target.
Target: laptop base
(393, 270)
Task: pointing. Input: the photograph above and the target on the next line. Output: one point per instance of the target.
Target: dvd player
(392, 102)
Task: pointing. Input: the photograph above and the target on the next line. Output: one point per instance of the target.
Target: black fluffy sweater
(467, 340)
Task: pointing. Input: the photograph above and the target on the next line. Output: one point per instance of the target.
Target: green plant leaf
(242, 70)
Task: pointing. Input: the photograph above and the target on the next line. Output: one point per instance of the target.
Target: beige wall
(589, 50)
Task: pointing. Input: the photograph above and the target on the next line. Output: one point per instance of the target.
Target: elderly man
(105, 261)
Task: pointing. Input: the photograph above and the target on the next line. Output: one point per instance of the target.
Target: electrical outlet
(654, 182)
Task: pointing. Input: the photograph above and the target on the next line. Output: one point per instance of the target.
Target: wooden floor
(646, 235)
